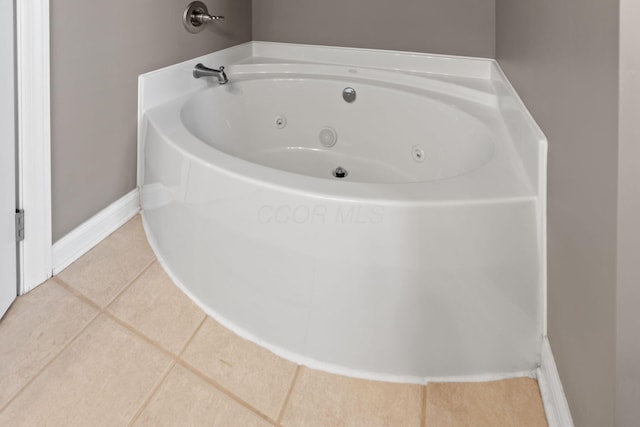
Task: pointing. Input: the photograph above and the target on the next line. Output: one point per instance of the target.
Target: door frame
(34, 141)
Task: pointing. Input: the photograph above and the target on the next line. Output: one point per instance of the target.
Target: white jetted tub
(399, 236)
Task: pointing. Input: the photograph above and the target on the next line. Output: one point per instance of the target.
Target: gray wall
(628, 344)
(458, 27)
(562, 57)
(97, 51)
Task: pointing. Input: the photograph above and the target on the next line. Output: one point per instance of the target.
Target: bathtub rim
(165, 84)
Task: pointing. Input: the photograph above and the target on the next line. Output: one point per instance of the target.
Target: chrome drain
(349, 94)
(340, 172)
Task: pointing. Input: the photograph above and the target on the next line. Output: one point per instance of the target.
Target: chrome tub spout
(201, 71)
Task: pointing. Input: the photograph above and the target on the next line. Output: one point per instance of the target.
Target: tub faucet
(202, 71)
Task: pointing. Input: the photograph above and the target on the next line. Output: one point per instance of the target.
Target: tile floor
(111, 341)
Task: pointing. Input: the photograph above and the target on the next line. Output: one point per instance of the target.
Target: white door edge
(34, 141)
(8, 276)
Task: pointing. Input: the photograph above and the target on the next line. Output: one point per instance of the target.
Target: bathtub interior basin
(399, 236)
(298, 121)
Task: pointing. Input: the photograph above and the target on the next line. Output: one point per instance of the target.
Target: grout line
(86, 299)
(424, 406)
(46, 365)
(73, 291)
(204, 319)
(131, 282)
(226, 391)
(118, 320)
(140, 334)
(288, 396)
(154, 390)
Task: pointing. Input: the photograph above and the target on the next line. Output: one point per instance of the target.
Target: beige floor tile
(34, 330)
(102, 378)
(158, 309)
(252, 373)
(514, 402)
(185, 399)
(103, 271)
(321, 399)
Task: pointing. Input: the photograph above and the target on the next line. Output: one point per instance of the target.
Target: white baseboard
(90, 233)
(553, 397)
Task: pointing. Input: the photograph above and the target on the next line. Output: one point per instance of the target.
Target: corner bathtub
(424, 261)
